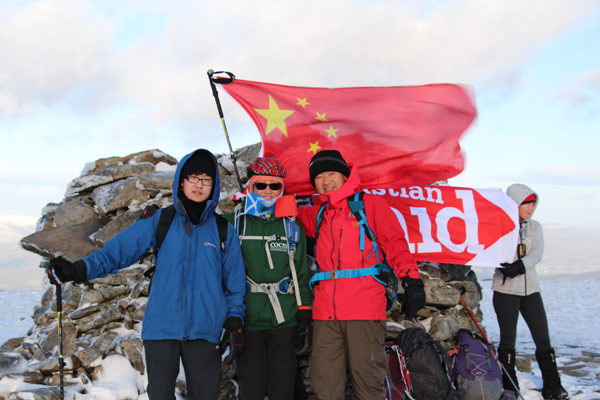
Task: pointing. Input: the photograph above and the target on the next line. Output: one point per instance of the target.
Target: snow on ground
(573, 316)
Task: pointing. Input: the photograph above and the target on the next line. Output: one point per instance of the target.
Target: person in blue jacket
(197, 289)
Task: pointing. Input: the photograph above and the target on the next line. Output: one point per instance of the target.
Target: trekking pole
(224, 80)
(61, 364)
(463, 303)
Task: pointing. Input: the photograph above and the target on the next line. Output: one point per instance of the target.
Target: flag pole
(224, 80)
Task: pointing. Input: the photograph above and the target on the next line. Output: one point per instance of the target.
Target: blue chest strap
(342, 274)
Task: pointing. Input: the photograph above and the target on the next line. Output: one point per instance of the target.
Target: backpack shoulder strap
(319, 220)
(222, 227)
(239, 220)
(357, 206)
(164, 223)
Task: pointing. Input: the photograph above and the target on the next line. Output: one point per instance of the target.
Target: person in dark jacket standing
(350, 312)
(197, 289)
(517, 290)
(278, 297)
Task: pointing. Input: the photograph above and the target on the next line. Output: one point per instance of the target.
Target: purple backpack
(475, 370)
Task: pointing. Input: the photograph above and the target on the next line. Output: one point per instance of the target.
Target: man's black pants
(201, 363)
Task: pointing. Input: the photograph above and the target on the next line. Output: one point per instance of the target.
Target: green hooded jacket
(260, 314)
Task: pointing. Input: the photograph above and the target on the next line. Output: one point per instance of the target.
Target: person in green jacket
(278, 297)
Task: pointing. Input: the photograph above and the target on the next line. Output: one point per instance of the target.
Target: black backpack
(164, 223)
(428, 364)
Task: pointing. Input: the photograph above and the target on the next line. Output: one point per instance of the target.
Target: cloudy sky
(82, 80)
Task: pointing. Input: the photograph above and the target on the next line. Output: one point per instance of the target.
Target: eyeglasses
(196, 179)
(263, 185)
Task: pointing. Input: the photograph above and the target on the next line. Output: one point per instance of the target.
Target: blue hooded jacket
(196, 286)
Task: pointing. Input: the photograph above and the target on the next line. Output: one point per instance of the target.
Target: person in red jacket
(350, 313)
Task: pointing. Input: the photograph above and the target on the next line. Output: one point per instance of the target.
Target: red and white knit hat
(267, 166)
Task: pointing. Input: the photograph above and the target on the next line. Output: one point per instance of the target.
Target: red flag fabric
(400, 135)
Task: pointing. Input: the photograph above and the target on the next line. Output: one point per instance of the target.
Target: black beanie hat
(327, 160)
(199, 162)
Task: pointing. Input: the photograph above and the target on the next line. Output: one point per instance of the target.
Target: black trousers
(508, 307)
(201, 363)
(268, 365)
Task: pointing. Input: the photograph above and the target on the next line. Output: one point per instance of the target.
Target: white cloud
(48, 48)
(580, 93)
(14, 227)
(565, 174)
(592, 79)
(41, 191)
(18, 267)
(333, 43)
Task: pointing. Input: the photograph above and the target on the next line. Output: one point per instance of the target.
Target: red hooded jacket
(338, 247)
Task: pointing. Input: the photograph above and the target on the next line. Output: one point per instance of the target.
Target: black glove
(233, 336)
(303, 332)
(414, 296)
(513, 269)
(61, 270)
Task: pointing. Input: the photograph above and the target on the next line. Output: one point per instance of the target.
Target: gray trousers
(201, 363)
(356, 348)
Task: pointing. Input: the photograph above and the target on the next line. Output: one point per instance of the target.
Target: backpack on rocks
(428, 364)
(475, 370)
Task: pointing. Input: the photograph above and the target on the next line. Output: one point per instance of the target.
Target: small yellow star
(275, 117)
(302, 102)
(321, 117)
(331, 131)
(314, 147)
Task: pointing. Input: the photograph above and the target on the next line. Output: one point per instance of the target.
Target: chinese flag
(397, 136)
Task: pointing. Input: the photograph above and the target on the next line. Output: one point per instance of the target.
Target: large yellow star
(302, 102)
(321, 117)
(331, 131)
(314, 147)
(275, 117)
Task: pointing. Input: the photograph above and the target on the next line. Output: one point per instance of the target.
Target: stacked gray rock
(103, 318)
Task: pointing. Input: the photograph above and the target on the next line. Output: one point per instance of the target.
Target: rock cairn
(102, 319)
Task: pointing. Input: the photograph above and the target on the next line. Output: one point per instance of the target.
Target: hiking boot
(552, 385)
(509, 376)
(559, 394)
(508, 395)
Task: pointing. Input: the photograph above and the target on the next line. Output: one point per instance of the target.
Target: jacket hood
(351, 186)
(519, 192)
(211, 202)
